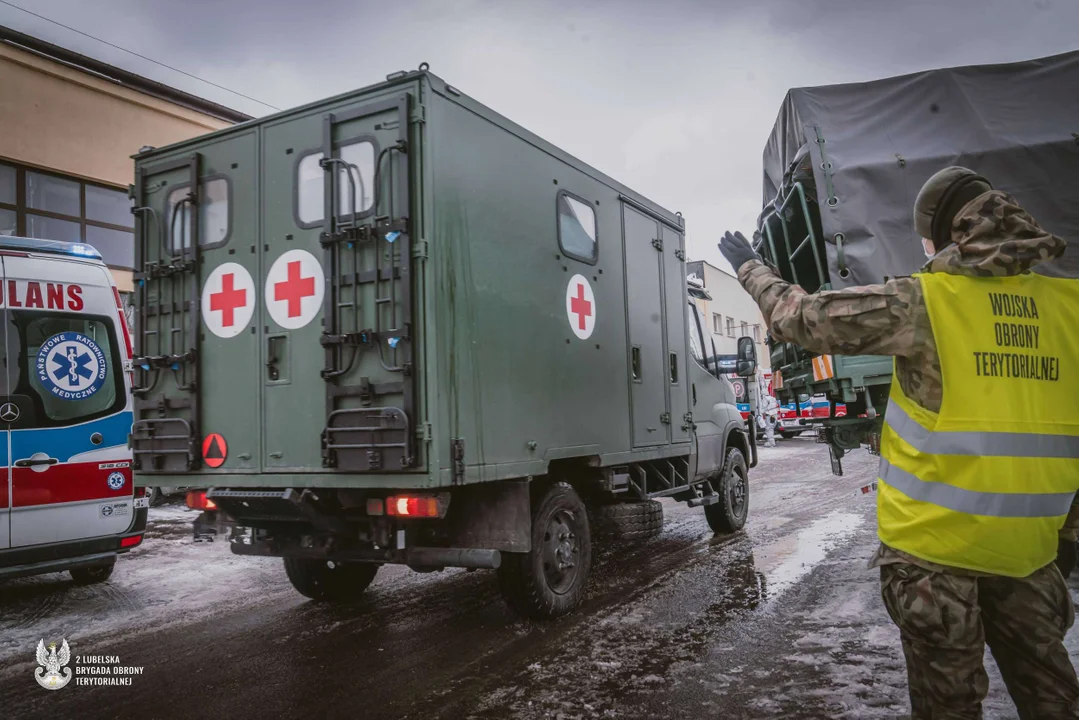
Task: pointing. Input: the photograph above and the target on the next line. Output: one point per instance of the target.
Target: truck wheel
(788, 435)
(729, 514)
(92, 575)
(327, 580)
(550, 580)
(157, 498)
(627, 521)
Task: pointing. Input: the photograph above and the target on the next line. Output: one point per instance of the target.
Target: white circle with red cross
(580, 307)
(228, 300)
(294, 288)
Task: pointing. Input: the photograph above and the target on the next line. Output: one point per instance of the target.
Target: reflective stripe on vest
(972, 502)
(985, 444)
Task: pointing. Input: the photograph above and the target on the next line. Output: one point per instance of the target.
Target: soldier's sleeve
(885, 319)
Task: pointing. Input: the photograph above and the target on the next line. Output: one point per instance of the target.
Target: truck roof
(448, 92)
(873, 144)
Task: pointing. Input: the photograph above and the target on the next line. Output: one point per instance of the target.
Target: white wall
(729, 303)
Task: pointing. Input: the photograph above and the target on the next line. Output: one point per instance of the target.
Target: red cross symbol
(580, 307)
(294, 289)
(228, 299)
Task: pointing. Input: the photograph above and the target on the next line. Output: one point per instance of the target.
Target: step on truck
(842, 168)
(395, 327)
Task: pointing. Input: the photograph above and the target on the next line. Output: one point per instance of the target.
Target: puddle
(786, 561)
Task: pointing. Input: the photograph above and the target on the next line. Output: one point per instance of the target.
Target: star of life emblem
(52, 673)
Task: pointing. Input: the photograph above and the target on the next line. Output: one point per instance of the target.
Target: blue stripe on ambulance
(63, 443)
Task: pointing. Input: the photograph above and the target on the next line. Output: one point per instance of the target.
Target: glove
(737, 250)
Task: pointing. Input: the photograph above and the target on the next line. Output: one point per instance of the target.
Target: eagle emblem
(52, 675)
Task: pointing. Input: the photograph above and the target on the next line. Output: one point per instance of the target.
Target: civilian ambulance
(67, 501)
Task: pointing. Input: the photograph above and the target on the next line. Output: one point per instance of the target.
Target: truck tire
(729, 514)
(627, 521)
(157, 497)
(92, 575)
(329, 581)
(550, 580)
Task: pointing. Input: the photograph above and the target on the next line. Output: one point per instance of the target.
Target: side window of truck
(311, 177)
(213, 215)
(577, 228)
(696, 343)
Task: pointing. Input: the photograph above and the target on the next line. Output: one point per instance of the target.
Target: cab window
(66, 365)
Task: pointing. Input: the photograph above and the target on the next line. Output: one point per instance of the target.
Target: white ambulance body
(67, 501)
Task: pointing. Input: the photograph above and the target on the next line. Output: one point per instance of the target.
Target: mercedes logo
(9, 412)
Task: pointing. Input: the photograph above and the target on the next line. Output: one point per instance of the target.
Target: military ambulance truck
(395, 327)
(842, 168)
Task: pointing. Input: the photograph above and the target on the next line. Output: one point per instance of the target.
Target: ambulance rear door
(68, 410)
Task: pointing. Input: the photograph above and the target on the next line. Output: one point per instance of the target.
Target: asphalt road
(781, 620)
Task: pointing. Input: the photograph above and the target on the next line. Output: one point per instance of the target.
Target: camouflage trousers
(945, 621)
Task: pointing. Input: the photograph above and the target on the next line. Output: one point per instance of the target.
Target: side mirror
(747, 357)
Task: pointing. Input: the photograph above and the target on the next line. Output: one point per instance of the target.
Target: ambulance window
(68, 365)
(213, 215)
(576, 228)
(311, 178)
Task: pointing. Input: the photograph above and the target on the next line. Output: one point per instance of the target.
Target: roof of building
(120, 76)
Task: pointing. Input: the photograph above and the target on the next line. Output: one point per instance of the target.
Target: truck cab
(67, 500)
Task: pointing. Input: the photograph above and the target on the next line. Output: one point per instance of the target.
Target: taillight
(417, 506)
(197, 500)
(130, 541)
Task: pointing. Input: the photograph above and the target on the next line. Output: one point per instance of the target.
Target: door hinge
(679, 254)
(457, 455)
(687, 422)
(419, 114)
(665, 418)
(657, 243)
(419, 250)
(423, 431)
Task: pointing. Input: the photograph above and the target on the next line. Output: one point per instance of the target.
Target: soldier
(979, 461)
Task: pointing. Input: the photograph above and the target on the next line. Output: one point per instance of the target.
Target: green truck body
(399, 291)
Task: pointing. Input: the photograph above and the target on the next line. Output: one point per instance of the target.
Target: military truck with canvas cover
(843, 166)
(395, 327)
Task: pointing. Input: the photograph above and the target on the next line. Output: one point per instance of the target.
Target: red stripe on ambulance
(69, 482)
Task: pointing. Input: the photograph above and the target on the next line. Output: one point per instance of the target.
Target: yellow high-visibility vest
(986, 483)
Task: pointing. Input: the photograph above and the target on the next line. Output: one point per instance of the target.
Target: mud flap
(835, 455)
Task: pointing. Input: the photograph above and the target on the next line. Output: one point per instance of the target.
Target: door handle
(30, 462)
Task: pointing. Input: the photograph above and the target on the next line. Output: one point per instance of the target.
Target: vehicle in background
(69, 502)
(842, 168)
(395, 327)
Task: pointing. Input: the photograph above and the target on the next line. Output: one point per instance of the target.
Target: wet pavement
(781, 620)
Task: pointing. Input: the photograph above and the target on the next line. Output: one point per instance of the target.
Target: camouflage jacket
(992, 236)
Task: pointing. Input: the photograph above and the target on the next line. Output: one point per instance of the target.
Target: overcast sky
(675, 98)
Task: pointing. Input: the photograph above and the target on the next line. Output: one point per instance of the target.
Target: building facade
(69, 125)
(731, 313)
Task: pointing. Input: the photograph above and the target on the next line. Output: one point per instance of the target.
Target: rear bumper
(57, 557)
